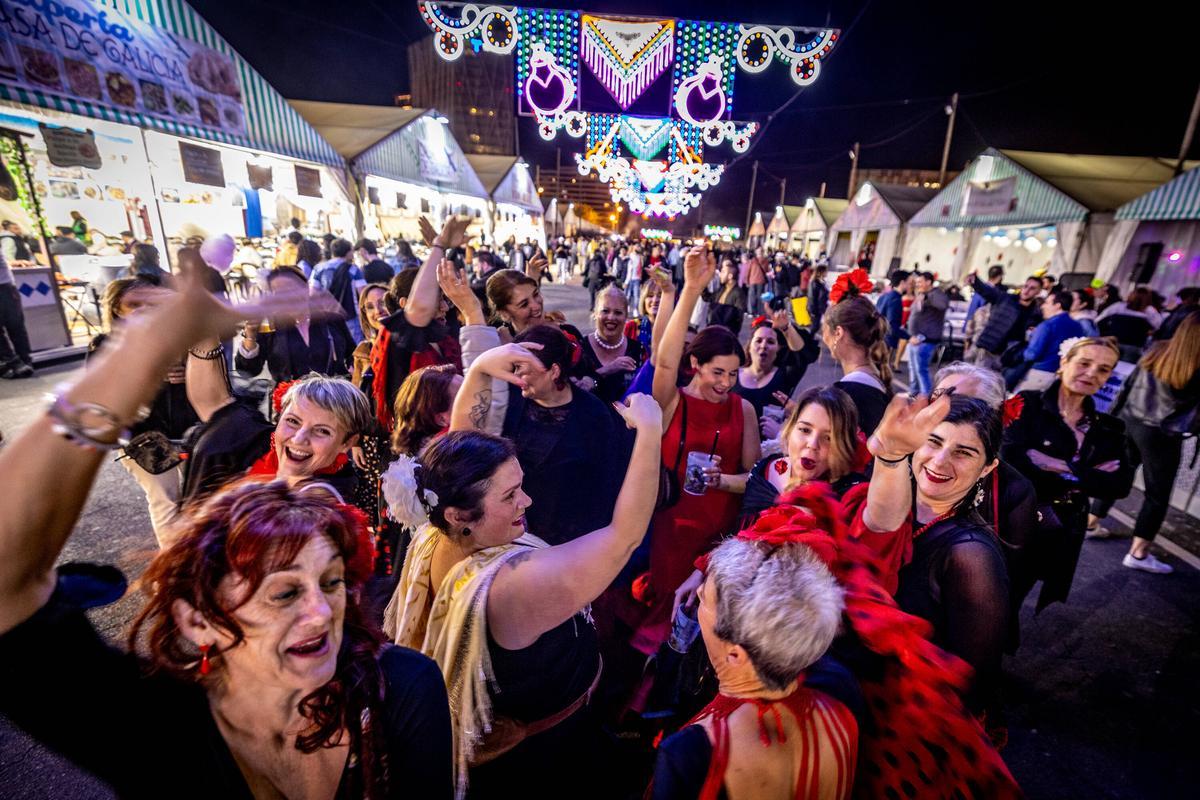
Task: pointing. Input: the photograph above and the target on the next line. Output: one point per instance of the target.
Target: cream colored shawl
(450, 626)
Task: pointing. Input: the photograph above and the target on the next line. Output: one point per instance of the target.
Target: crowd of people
(463, 549)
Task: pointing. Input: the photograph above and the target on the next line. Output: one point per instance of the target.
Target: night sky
(1047, 75)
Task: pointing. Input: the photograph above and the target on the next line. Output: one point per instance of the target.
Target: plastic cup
(693, 479)
(684, 629)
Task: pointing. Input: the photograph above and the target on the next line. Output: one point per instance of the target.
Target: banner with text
(76, 49)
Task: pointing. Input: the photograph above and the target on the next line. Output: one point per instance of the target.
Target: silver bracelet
(67, 423)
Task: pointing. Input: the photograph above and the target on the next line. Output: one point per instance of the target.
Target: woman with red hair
(259, 675)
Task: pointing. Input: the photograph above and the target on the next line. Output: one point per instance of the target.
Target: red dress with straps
(681, 533)
(819, 718)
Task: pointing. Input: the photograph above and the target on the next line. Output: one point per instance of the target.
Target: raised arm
(422, 304)
(906, 426)
(781, 321)
(540, 589)
(34, 522)
(473, 404)
(665, 307)
(698, 269)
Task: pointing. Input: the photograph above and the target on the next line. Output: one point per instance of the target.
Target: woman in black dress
(919, 515)
(1070, 452)
(610, 357)
(855, 332)
(568, 441)
(260, 677)
(505, 615)
(295, 346)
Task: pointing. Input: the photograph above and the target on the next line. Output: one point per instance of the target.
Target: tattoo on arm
(483, 406)
(519, 558)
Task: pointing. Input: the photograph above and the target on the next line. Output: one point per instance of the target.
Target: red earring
(205, 666)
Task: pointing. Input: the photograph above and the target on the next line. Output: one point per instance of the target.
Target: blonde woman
(1159, 407)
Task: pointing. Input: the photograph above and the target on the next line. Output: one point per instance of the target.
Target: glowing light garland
(628, 56)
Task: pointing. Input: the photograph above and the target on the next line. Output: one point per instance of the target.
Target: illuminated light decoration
(715, 133)
(645, 138)
(627, 56)
(1175, 256)
(722, 232)
(492, 28)
(549, 88)
(700, 99)
(558, 33)
(656, 233)
(1032, 244)
(758, 43)
(696, 43)
(575, 123)
(652, 174)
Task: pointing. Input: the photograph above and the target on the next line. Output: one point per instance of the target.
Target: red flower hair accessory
(759, 320)
(850, 284)
(576, 349)
(281, 389)
(1011, 409)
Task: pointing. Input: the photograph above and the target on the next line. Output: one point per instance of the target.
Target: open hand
(428, 232)
(906, 425)
(781, 319)
(453, 233)
(509, 362)
(535, 266)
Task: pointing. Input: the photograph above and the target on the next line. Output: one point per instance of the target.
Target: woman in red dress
(704, 417)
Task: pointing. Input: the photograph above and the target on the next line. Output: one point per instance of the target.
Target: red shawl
(922, 742)
(446, 351)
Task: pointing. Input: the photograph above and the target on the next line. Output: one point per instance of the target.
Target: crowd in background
(645, 555)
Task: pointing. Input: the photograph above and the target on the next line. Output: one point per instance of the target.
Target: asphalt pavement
(1101, 697)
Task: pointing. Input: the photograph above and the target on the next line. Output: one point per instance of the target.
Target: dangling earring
(466, 532)
(205, 665)
(979, 493)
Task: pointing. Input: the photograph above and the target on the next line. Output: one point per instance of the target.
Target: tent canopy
(410, 145)
(1176, 200)
(878, 206)
(1029, 188)
(828, 208)
(784, 218)
(351, 129)
(506, 179)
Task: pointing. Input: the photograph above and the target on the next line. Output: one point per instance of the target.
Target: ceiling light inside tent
(1033, 244)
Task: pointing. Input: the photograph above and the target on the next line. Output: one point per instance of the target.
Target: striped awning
(1037, 202)
(1178, 199)
(271, 124)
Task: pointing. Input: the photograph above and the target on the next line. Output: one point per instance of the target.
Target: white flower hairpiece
(407, 503)
(1065, 347)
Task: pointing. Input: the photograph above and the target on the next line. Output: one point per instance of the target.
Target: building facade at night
(476, 94)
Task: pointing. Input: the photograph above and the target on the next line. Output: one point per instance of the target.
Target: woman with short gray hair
(767, 612)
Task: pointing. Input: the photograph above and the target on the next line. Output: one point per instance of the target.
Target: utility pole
(853, 170)
(1188, 134)
(782, 190)
(750, 204)
(822, 192)
(952, 112)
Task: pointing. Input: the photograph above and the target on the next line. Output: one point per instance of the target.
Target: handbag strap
(682, 433)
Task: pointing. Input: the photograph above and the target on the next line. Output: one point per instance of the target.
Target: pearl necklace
(596, 338)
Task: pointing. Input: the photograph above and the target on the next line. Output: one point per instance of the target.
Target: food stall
(1030, 212)
(101, 86)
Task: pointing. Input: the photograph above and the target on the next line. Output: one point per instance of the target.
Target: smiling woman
(259, 677)
(919, 515)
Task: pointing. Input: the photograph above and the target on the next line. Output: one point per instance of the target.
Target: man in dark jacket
(891, 307)
(818, 297)
(1011, 316)
(926, 327)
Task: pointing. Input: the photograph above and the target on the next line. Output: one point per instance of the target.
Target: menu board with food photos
(82, 50)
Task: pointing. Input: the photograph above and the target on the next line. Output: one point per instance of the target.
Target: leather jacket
(1151, 402)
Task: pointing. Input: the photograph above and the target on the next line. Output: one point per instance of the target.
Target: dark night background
(1052, 76)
